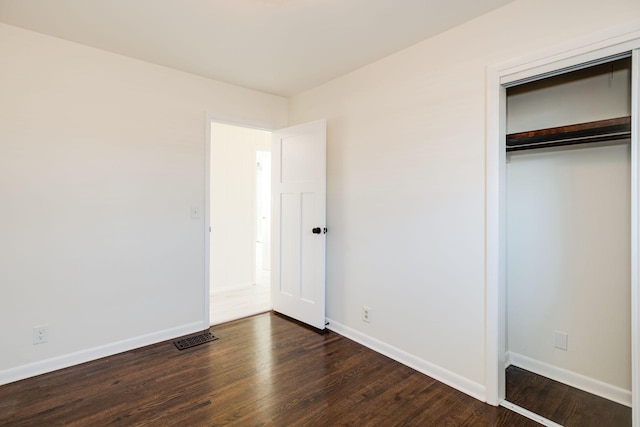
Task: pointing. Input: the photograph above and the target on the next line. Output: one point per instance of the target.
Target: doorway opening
(240, 222)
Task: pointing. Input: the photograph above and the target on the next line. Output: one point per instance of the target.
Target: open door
(298, 229)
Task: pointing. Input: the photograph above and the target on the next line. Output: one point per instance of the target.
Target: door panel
(299, 203)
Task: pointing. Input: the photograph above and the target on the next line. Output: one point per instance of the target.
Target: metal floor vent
(194, 340)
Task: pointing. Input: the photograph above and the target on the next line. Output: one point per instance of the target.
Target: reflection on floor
(265, 370)
(561, 403)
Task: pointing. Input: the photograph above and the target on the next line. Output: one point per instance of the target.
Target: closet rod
(581, 133)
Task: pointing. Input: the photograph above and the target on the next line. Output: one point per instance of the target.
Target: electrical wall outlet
(561, 340)
(40, 334)
(366, 314)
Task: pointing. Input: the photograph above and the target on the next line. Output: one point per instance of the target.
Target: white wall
(101, 159)
(568, 232)
(568, 261)
(595, 93)
(233, 204)
(406, 185)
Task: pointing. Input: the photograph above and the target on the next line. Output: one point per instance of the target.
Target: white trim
(495, 272)
(83, 356)
(254, 219)
(558, 68)
(571, 54)
(206, 315)
(573, 379)
(635, 238)
(438, 373)
(528, 414)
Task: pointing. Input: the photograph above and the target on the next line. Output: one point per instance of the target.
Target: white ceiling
(281, 47)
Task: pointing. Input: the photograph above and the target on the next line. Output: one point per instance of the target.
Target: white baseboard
(445, 376)
(593, 386)
(64, 361)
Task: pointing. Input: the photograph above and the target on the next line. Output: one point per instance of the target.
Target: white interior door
(298, 230)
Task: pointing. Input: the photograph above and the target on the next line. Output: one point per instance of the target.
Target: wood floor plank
(263, 371)
(561, 403)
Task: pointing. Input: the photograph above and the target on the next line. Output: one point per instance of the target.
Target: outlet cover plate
(561, 340)
(40, 334)
(366, 314)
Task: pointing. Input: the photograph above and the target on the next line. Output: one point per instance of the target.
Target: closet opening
(568, 246)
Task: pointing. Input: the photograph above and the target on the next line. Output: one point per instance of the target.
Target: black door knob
(317, 230)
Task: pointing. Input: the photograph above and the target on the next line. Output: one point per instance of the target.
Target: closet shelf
(597, 131)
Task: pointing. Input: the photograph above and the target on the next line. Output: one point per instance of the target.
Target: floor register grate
(194, 340)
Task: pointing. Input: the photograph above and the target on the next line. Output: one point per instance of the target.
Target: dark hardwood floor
(264, 370)
(561, 403)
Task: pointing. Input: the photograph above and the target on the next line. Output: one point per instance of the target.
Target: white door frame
(571, 55)
(212, 118)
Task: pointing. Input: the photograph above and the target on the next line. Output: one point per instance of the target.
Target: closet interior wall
(568, 233)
